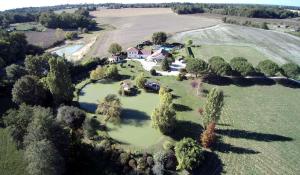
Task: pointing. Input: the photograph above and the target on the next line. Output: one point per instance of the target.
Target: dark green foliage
(38, 65)
(219, 66)
(188, 9)
(66, 21)
(59, 81)
(159, 37)
(71, 116)
(43, 159)
(291, 70)
(17, 120)
(164, 118)
(71, 35)
(189, 154)
(165, 161)
(90, 127)
(153, 72)
(268, 67)
(189, 52)
(14, 72)
(242, 66)
(197, 66)
(115, 48)
(29, 90)
(165, 65)
(140, 81)
(2, 63)
(111, 108)
(112, 72)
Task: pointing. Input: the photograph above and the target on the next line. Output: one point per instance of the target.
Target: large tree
(242, 66)
(111, 107)
(115, 48)
(59, 81)
(219, 66)
(140, 80)
(29, 90)
(268, 67)
(291, 70)
(189, 154)
(164, 118)
(197, 66)
(43, 159)
(165, 65)
(213, 107)
(37, 65)
(71, 116)
(159, 37)
(14, 72)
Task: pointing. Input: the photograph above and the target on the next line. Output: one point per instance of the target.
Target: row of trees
(188, 9)
(67, 20)
(239, 65)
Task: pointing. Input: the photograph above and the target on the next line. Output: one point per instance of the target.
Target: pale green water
(135, 129)
(68, 50)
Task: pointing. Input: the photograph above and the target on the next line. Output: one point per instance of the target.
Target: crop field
(280, 47)
(45, 39)
(135, 25)
(11, 160)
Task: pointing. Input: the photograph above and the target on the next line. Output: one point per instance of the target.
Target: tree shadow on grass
(228, 148)
(181, 108)
(89, 107)
(134, 117)
(186, 129)
(235, 133)
(211, 165)
(288, 83)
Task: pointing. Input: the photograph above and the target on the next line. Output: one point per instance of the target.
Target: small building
(158, 56)
(134, 52)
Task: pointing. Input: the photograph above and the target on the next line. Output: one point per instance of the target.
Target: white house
(158, 56)
(133, 52)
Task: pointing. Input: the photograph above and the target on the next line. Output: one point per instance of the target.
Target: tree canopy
(291, 70)
(111, 107)
(73, 117)
(197, 66)
(219, 66)
(115, 48)
(159, 37)
(242, 66)
(268, 67)
(164, 118)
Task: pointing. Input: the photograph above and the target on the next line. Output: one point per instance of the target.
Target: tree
(165, 161)
(268, 67)
(208, 137)
(164, 118)
(71, 116)
(2, 63)
(59, 81)
(71, 35)
(112, 72)
(37, 65)
(140, 81)
(213, 107)
(291, 70)
(115, 48)
(111, 107)
(159, 38)
(189, 42)
(14, 72)
(219, 66)
(153, 72)
(43, 159)
(197, 66)
(242, 66)
(165, 65)
(189, 154)
(29, 90)
(17, 120)
(98, 74)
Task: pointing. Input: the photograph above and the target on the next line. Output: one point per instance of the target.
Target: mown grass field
(11, 159)
(258, 130)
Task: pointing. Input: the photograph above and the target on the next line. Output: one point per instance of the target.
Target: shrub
(208, 137)
(112, 72)
(140, 81)
(153, 72)
(98, 74)
(268, 67)
(71, 35)
(168, 145)
(180, 77)
(189, 154)
(291, 70)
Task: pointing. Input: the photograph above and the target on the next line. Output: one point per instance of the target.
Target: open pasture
(279, 47)
(135, 25)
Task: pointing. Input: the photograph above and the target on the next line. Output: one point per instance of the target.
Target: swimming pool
(68, 50)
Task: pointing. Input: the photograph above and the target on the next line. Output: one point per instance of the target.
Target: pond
(135, 129)
(68, 50)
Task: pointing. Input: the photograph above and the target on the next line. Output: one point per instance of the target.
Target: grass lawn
(28, 26)
(11, 159)
(228, 52)
(258, 130)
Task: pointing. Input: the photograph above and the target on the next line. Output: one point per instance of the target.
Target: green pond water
(135, 128)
